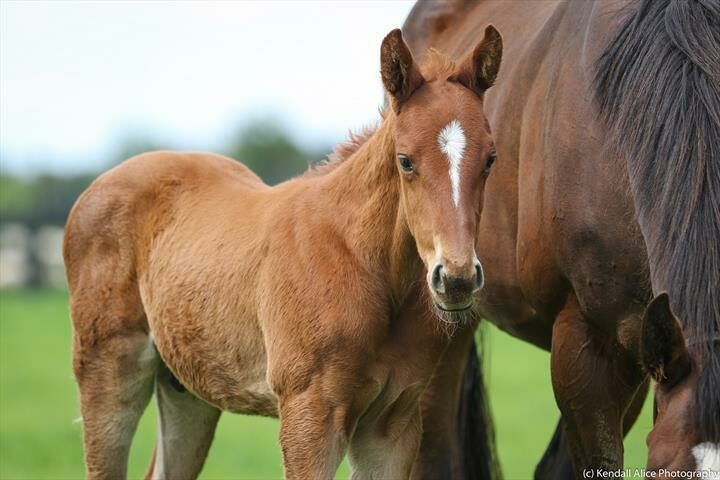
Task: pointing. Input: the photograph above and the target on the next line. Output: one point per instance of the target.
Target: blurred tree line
(263, 145)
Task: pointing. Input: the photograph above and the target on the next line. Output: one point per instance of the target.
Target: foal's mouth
(454, 307)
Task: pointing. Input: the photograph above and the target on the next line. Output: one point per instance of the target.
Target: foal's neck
(366, 188)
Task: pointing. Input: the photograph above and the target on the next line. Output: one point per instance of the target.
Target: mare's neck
(366, 190)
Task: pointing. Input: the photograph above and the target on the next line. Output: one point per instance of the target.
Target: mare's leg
(115, 376)
(594, 380)
(633, 411)
(557, 461)
(187, 426)
(386, 449)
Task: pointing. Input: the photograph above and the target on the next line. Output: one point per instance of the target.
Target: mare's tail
(475, 424)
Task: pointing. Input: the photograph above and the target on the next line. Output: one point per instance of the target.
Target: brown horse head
(675, 442)
(444, 152)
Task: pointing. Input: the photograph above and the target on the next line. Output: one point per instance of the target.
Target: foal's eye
(490, 160)
(405, 163)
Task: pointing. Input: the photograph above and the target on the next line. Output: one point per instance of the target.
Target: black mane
(658, 87)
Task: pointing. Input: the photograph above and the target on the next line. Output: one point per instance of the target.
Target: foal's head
(444, 151)
(686, 430)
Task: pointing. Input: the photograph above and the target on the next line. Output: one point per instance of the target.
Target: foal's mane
(342, 151)
(435, 66)
(658, 88)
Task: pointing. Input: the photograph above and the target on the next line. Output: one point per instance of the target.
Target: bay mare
(606, 190)
(190, 277)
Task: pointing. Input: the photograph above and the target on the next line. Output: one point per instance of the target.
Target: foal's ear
(662, 345)
(400, 74)
(479, 69)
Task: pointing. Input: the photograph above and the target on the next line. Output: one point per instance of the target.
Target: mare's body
(565, 251)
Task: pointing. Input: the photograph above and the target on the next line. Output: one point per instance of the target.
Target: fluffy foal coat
(190, 276)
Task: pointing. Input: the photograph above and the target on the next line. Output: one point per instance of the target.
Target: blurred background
(85, 85)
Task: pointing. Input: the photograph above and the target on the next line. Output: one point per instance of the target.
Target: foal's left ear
(662, 344)
(479, 70)
(400, 73)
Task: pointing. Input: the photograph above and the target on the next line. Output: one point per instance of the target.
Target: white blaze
(707, 457)
(452, 143)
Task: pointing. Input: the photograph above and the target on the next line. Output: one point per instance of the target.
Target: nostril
(437, 282)
(479, 276)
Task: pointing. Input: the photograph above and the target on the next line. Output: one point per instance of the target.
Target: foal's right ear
(662, 344)
(400, 73)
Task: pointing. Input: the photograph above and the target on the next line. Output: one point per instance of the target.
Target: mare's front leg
(594, 380)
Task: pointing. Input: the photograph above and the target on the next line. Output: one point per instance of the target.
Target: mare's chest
(559, 210)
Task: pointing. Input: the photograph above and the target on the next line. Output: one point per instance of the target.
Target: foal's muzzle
(453, 286)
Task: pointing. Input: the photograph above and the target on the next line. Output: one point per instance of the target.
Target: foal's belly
(215, 364)
(205, 328)
(197, 291)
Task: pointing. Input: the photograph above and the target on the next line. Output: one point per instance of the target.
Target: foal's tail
(475, 425)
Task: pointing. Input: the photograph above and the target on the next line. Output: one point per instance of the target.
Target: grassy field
(38, 404)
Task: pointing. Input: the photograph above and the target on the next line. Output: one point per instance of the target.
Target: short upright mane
(435, 66)
(658, 87)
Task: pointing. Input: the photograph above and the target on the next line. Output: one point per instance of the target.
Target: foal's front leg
(313, 434)
(387, 449)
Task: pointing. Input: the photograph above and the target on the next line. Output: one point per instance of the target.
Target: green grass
(38, 403)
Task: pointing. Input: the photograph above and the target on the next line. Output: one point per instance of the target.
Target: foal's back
(132, 207)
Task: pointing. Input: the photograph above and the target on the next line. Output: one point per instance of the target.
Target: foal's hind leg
(187, 426)
(115, 376)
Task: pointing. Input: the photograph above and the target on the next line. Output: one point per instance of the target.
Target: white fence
(31, 257)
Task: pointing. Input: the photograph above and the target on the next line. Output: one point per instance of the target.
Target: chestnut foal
(190, 276)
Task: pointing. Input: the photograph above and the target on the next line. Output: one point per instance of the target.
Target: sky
(77, 79)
